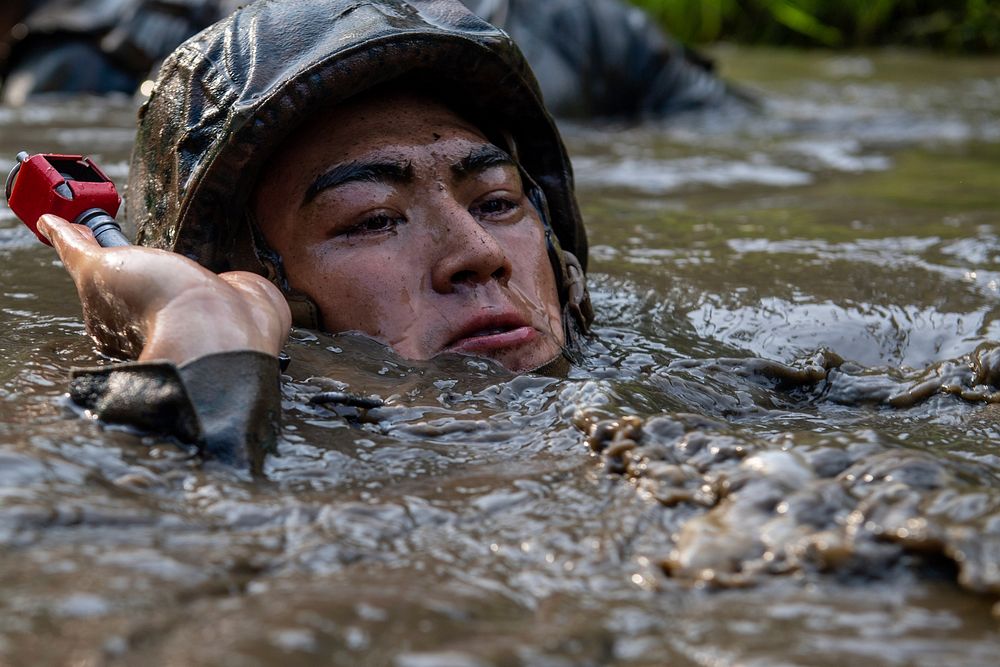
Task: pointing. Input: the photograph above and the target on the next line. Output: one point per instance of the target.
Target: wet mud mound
(804, 503)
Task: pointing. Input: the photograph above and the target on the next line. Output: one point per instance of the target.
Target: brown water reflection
(468, 522)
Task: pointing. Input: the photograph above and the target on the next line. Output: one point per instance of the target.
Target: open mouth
(490, 332)
(493, 333)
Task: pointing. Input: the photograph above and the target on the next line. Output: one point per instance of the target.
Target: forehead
(379, 121)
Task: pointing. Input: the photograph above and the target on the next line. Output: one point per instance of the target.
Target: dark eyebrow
(353, 172)
(481, 159)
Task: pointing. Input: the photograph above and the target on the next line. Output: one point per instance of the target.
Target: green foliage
(957, 25)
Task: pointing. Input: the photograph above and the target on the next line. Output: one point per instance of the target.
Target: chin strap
(577, 312)
(570, 277)
(577, 297)
(305, 313)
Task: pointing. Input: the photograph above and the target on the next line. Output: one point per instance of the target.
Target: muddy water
(781, 448)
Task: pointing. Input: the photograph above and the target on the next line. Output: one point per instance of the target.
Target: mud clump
(803, 503)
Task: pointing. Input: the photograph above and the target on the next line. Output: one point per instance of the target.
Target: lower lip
(493, 342)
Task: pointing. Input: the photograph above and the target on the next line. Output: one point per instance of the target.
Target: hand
(148, 304)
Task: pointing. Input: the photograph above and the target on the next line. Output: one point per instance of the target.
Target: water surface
(779, 449)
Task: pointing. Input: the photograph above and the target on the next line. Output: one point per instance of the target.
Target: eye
(378, 223)
(497, 208)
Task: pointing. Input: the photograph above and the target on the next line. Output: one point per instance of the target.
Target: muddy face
(404, 223)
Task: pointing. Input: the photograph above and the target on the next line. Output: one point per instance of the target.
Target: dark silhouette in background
(593, 58)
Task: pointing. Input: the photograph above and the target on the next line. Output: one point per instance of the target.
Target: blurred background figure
(593, 58)
(605, 58)
(95, 46)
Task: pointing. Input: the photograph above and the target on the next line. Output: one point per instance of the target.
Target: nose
(469, 255)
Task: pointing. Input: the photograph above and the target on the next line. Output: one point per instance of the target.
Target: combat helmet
(228, 97)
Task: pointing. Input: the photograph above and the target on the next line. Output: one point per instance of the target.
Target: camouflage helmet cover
(227, 98)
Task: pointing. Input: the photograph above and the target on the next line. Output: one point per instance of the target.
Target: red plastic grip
(36, 189)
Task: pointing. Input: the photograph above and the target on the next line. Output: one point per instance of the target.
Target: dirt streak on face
(403, 222)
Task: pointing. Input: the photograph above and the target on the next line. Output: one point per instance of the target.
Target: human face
(403, 222)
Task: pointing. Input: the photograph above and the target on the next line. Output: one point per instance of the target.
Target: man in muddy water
(593, 58)
(371, 176)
